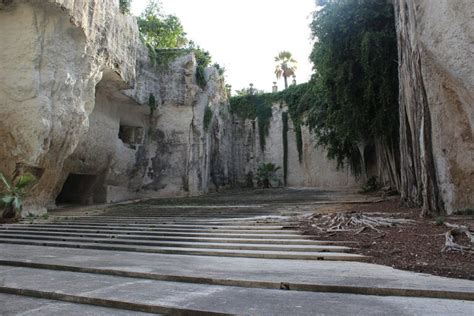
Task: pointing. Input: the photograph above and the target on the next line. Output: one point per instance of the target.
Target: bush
(13, 194)
(266, 173)
(370, 186)
(124, 6)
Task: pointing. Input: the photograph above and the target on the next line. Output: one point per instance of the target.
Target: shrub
(124, 6)
(266, 173)
(12, 194)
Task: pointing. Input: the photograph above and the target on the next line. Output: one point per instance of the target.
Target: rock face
(52, 56)
(74, 86)
(314, 169)
(437, 103)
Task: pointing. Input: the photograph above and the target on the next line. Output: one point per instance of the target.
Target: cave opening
(78, 189)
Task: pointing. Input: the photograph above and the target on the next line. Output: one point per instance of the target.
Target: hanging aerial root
(355, 222)
(452, 234)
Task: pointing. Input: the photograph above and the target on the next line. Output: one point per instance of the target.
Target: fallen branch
(354, 222)
(456, 231)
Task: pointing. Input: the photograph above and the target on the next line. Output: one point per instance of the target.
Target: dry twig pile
(355, 222)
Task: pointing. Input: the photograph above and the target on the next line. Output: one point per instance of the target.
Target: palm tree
(266, 172)
(13, 193)
(286, 66)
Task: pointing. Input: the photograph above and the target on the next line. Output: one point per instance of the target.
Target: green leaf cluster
(12, 194)
(161, 31)
(208, 114)
(266, 173)
(254, 106)
(354, 92)
(124, 6)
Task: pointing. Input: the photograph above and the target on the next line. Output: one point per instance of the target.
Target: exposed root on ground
(454, 233)
(355, 222)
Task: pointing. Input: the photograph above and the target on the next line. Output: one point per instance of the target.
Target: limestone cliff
(437, 103)
(74, 85)
(314, 169)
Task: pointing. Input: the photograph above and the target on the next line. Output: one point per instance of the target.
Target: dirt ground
(415, 247)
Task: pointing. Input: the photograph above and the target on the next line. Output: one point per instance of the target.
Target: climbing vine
(251, 107)
(284, 119)
(207, 118)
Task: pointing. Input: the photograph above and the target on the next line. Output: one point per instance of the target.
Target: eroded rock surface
(436, 102)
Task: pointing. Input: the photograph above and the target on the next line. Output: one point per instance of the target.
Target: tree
(249, 91)
(286, 66)
(266, 172)
(354, 92)
(161, 31)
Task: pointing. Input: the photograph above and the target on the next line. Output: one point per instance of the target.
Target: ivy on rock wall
(254, 106)
(251, 106)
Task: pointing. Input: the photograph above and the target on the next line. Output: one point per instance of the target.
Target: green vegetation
(371, 186)
(166, 40)
(286, 66)
(152, 104)
(220, 69)
(12, 194)
(203, 59)
(439, 221)
(354, 93)
(207, 118)
(251, 107)
(160, 31)
(253, 103)
(124, 6)
(249, 90)
(284, 118)
(266, 173)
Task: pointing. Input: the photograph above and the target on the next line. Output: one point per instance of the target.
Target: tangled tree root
(456, 231)
(355, 222)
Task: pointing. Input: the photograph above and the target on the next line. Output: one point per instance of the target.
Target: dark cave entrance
(78, 189)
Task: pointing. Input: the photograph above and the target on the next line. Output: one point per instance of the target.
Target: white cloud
(244, 36)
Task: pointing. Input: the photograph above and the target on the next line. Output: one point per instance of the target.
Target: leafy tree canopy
(354, 91)
(161, 31)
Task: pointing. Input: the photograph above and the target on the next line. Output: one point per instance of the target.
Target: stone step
(23, 305)
(169, 221)
(168, 244)
(152, 224)
(202, 299)
(118, 235)
(154, 233)
(192, 251)
(297, 275)
(156, 228)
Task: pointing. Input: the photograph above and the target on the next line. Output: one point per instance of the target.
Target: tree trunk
(388, 164)
(266, 183)
(419, 185)
(286, 81)
(9, 211)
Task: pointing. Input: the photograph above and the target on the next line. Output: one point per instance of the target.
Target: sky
(244, 36)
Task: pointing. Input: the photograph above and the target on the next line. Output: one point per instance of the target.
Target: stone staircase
(209, 234)
(140, 259)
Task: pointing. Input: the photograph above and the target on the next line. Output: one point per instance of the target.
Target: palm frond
(25, 180)
(6, 183)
